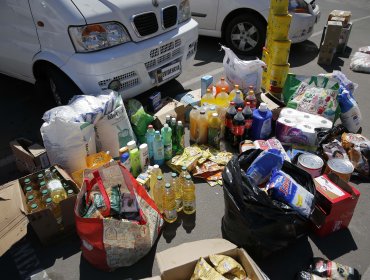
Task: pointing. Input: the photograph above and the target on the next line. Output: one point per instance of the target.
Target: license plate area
(167, 72)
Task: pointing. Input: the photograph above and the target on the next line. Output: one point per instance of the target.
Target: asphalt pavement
(21, 113)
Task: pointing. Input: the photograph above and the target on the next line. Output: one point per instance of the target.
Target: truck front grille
(146, 24)
(169, 16)
(127, 80)
(163, 53)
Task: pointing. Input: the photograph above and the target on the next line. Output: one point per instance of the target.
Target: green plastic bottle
(134, 158)
(167, 141)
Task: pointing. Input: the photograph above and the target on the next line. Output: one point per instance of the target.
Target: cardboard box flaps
(178, 263)
(170, 107)
(15, 217)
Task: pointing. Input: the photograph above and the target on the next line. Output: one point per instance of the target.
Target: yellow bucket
(278, 74)
(279, 7)
(281, 25)
(279, 52)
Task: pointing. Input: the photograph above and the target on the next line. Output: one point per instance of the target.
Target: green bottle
(134, 158)
(180, 132)
(167, 141)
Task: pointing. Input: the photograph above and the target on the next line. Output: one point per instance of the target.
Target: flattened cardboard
(13, 219)
(171, 107)
(178, 263)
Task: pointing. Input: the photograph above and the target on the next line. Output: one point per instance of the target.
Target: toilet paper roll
(288, 113)
(288, 131)
(308, 134)
(284, 127)
(322, 122)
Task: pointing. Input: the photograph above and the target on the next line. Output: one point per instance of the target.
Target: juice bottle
(261, 126)
(248, 118)
(232, 93)
(134, 158)
(222, 99)
(167, 141)
(202, 128)
(158, 149)
(175, 183)
(222, 85)
(251, 97)
(207, 98)
(188, 196)
(158, 193)
(193, 126)
(229, 116)
(238, 100)
(214, 131)
(238, 127)
(55, 209)
(180, 137)
(169, 204)
(149, 139)
(54, 185)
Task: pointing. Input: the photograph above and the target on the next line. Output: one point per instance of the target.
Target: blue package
(261, 168)
(284, 188)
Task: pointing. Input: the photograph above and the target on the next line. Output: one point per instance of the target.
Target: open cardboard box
(178, 263)
(171, 107)
(15, 216)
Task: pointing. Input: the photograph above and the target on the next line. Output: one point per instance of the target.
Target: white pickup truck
(71, 47)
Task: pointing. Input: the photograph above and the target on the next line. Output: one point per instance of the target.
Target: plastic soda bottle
(248, 119)
(150, 139)
(57, 192)
(175, 183)
(55, 209)
(222, 85)
(173, 124)
(188, 196)
(238, 127)
(180, 135)
(193, 126)
(158, 193)
(169, 204)
(238, 100)
(134, 158)
(202, 128)
(232, 93)
(251, 97)
(229, 116)
(158, 149)
(167, 141)
(222, 99)
(214, 131)
(207, 98)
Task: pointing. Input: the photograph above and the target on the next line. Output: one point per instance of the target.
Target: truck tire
(57, 85)
(245, 34)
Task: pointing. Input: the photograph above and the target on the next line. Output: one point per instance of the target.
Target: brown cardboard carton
(178, 263)
(332, 34)
(326, 55)
(345, 15)
(15, 215)
(343, 39)
(170, 107)
(29, 157)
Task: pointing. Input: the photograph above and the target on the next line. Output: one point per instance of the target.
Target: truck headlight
(298, 6)
(93, 37)
(184, 11)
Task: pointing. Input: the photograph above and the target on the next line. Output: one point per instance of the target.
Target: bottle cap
(39, 176)
(212, 107)
(208, 90)
(263, 107)
(232, 103)
(248, 103)
(157, 133)
(34, 205)
(143, 147)
(223, 89)
(124, 157)
(251, 87)
(70, 191)
(42, 183)
(26, 181)
(48, 200)
(159, 177)
(156, 166)
(168, 185)
(222, 78)
(240, 109)
(236, 86)
(29, 188)
(44, 192)
(203, 112)
(173, 174)
(215, 115)
(166, 125)
(150, 126)
(183, 168)
(168, 117)
(123, 150)
(179, 122)
(188, 177)
(131, 145)
(30, 197)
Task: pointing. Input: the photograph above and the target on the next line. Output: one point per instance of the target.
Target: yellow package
(227, 265)
(221, 158)
(97, 160)
(203, 271)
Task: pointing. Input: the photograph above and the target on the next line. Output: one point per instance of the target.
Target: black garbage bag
(254, 220)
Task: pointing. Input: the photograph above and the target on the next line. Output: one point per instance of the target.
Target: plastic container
(232, 93)
(178, 191)
(193, 126)
(158, 149)
(189, 205)
(229, 116)
(207, 98)
(158, 193)
(261, 125)
(238, 128)
(251, 98)
(180, 138)
(222, 99)
(149, 140)
(54, 185)
(238, 99)
(135, 162)
(167, 141)
(222, 85)
(169, 204)
(144, 157)
(214, 131)
(202, 128)
(248, 120)
(156, 171)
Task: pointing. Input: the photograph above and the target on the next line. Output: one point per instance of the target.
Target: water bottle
(158, 149)
(167, 141)
(261, 124)
(149, 140)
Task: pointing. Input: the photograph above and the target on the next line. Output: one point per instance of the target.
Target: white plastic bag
(360, 62)
(242, 72)
(67, 143)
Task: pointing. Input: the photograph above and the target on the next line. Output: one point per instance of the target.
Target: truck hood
(96, 11)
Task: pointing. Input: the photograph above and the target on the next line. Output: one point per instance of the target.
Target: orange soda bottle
(222, 84)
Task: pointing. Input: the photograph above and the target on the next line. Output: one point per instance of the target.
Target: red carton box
(337, 200)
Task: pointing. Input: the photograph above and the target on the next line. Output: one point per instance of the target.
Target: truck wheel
(54, 83)
(245, 34)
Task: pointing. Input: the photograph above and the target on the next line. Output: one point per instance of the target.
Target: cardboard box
(345, 15)
(178, 263)
(326, 55)
(191, 100)
(15, 215)
(171, 107)
(343, 39)
(29, 157)
(332, 33)
(337, 200)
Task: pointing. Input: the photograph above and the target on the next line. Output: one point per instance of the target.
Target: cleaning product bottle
(144, 157)
(350, 115)
(261, 125)
(232, 93)
(149, 140)
(158, 193)
(251, 97)
(158, 149)
(222, 98)
(207, 98)
(134, 158)
(175, 183)
(125, 160)
(169, 204)
(188, 196)
(167, 141)
(222, 85)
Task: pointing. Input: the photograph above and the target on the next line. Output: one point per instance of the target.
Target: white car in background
(242, 23)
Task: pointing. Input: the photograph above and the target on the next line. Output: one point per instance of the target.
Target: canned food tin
(311, 163)
(342, 167)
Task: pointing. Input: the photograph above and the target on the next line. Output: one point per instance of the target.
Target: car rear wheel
(245, 34)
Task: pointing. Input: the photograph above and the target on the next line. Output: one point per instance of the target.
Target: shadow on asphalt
(302, 53)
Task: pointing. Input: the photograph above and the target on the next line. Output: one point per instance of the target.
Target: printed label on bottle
(248, 123)
(160, 153)
(55, 185)
(189, 205)
(170, 214)
(238, 130)
(228, 123)
(266, 128)
(214, 137)
(168, 151)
